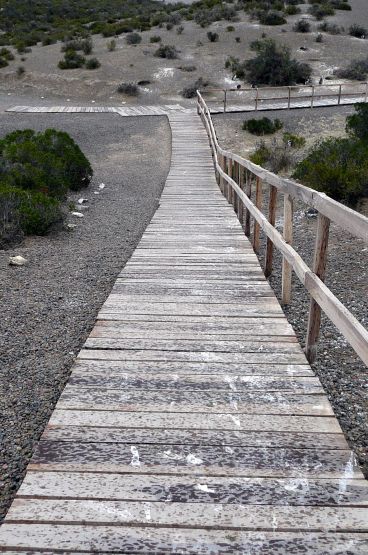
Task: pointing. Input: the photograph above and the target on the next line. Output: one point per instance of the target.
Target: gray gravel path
(49, 306)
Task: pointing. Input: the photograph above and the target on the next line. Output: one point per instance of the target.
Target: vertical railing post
(312, 98)
(288, 237)
(289, 97)
(225, 100)
(229, 171)
(339, 98)
(248, 192)
(257, 98)
(319, 268)
(256, 230)
(240, 202)
(366, 93)
(235, 177)
(271, 219)
(222, 180)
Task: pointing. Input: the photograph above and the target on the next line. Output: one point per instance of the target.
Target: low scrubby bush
(331, 28)
(191, 90)
(294, 141)
(358, 31)
(166, 51)
(133, 38)
(272, 18)
(6, 54)
(72, 60)
(319, 11)
(357, 70)
(188, 69)
(263, 126)
(302, 26)
(212, 37)
(20, 71)
(93, 63)
(111, 45)
(130, 89)
(277, 157)
(155, 38)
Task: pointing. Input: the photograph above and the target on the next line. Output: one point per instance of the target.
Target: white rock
(96, 192)
(82, 200)
(70, 227)
(101, 186)
(77, 214)
(17, 260)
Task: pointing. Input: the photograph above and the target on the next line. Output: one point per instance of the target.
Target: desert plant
(357, 70)
(155, 38)
(230, 28)
(276, 157)
(3, 62)
(72, 60)
(319, 37)
(272, 18)
(273, 65)
(302, 26)
(338, 167)
(191, 90)
(188, 69)
(294, 141)
(38, 212)
(212, 37)
(111, 45)
(357, 124)
(358, 31)
(20, 71)
(169, 26)
(319, 11)
(292, 10)
(6, 54)
(166, 51)
(330, 28)
(180, 29)
(93, 63)
(263, 126)
(133, 38)
(130, 89)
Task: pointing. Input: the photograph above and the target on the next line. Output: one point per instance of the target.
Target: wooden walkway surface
(192, 422)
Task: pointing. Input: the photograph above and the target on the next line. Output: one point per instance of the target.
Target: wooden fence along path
(192, 422)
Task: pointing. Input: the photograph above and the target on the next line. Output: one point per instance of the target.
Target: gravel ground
(49, 306)
(343, 375)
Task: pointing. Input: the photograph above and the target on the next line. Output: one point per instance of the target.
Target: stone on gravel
(17, 260)
(77, 214)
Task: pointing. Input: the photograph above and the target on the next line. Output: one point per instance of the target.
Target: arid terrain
(44, 81)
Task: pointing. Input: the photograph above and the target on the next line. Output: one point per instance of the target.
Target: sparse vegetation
(358, 31)
(72, 60)
(212, 37)
(20, 71)
(155, 38)
(166, 51)
(130, 89)
(339, 166)
(188, 69)
(133, 38)
(357, 70)
(111, 45)
(191, 90)
(93, 63)
(263, 126)
(302, 26)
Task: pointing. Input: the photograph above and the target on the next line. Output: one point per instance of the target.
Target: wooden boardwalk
(192, 423)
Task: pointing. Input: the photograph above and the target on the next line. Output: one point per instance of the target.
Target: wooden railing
(288, 97)
(236, 177)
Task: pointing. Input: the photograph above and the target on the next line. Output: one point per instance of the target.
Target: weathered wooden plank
(148, 540)
(184, 489)
(221, 421)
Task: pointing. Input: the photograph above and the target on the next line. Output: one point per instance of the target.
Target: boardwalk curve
(192, 422)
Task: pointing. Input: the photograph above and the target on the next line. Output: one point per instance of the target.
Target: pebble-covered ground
(49, 306)
(343, 375)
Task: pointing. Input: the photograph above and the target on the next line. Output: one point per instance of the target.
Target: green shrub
(111, 45)
(292, 10)
(6, 54)
(78, 44)
(338, 167)
(191, 90)
(357, 70)
(212, 37)
(133, 38)
(166, 51)
(38, 212)
(263, 126)
(92, 63)
(71, 60)
(277, 157)
(302, 26)
(180, 29)
(3, 62)
(357, 124)
(272, 18)
(330, 28)
(358, 31)
(294, 141)
(130, 89)
(319, 11)
(20, 71)
(155, 38)
(49, 162)
(273, 65)
(230, 28)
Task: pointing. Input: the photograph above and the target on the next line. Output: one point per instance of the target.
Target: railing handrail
(283, 87)
(328, 210)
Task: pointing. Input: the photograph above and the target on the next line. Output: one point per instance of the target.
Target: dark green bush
(133, 38)
(338, 167)
(319, 11)
(358, 31)
(302, 26)
(292, 10)
(272, 18)
(273, 65)
(3, 62)
(38, 213)
(294, 141)
(6, 54)
(263, 126)
(49, 162)
(212, 37)
(92, 63)
(166, 51)
(71, 60)
(130, 89)
(155, 38)
(191, 90)
(357, 124)
(340, 5)
(79, 44)
(20, 71)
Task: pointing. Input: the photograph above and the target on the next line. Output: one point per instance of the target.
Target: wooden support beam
(235, 176)
(288, 236)
(248, 192)
(319, 268)
(256, 230)
(271, 219)
(240, 210)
